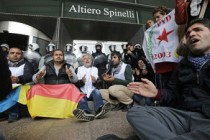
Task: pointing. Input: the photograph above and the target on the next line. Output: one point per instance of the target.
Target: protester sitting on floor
(131, 55)
(87, 76)
(56, 71)
(21, 73)
(119, 76)
(143, 70)
(57, 98)
(187, 115)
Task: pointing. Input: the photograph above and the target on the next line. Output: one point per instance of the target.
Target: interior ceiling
(79, 29)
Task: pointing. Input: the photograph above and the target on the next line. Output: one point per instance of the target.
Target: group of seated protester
(58, 86)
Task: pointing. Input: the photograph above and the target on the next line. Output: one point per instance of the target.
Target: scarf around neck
(198, 61)
(117, 69)
(14, 64)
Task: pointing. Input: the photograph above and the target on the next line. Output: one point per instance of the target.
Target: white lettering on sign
(116, 13)
(84, 10)
(106, 11)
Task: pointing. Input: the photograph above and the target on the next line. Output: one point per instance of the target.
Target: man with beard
(56, 68)
(58, 76)
(87, 78)
(184, 113)
(120, 75)
(21, 73)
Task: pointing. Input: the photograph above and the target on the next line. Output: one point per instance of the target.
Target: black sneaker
(82, 115)
(13, 117)
(127, 107)
(103, 110)
(118, 107)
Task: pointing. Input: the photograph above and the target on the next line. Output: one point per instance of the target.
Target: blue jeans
(97, 101)
(137, 98)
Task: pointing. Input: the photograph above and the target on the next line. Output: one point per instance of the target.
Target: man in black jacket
(56, 71)
(187, 97)
(21, 73)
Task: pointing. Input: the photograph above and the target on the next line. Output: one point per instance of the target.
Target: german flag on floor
(54, 101)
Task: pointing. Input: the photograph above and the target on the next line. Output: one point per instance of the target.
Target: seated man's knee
(114, 91)
(104, 93)
(96, 92)
(82, 100)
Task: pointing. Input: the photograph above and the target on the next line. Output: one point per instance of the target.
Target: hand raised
(105, 76)
(69, 71)
(93, 79)
(40, 75)
(144, 71)
(110, 78)
(145, 88)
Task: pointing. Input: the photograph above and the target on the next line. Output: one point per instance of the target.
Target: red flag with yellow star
(161, 40)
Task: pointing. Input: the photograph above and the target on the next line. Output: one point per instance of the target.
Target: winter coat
(52, 78)
(188, 89)
(27, 71)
